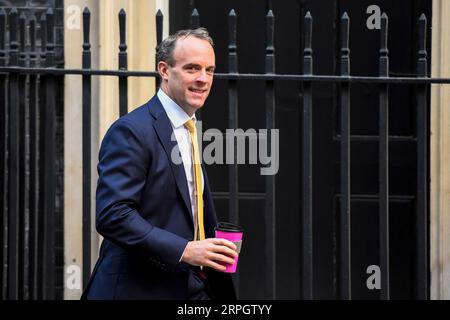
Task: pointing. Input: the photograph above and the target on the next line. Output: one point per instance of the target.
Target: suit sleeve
(123, 163)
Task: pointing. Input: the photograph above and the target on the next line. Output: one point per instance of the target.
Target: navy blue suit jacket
(143, 212)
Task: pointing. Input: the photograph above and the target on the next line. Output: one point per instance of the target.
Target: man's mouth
(199, 91)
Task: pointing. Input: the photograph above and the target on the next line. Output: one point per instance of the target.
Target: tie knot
(190, 125)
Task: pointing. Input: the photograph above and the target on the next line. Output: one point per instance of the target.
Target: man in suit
(158, 228)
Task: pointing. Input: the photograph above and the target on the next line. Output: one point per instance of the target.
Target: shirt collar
(177, 116)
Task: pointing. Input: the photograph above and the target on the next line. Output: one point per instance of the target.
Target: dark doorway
(364, 45)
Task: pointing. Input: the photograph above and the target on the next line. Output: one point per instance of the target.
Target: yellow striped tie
(200, 235)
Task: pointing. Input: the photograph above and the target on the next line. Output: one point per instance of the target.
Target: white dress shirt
(178, 118)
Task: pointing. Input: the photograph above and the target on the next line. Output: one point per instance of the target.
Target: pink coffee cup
(233, 233)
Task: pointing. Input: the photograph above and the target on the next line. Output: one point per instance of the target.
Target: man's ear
(163, 70)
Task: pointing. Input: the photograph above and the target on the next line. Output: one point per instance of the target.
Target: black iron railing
(28, 157)
(28, 183)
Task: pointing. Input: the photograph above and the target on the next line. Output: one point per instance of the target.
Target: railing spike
(195, 19)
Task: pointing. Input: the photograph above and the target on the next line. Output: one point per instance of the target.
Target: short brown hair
(164, 51)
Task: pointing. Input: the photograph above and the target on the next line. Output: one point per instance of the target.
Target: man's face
(189, 81)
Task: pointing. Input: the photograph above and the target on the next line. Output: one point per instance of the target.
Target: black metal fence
(28, 150)
(28, 156)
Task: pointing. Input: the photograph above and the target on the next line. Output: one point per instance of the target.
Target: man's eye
(192, 68)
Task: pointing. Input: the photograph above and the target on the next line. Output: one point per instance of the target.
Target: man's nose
(202, 76)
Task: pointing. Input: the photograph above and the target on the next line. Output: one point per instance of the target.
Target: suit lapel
(164, 131)
(209, 212)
